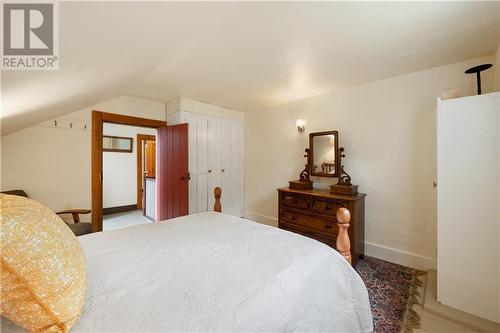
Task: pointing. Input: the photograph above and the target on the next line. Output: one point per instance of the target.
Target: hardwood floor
(438, 318)
(432, 323)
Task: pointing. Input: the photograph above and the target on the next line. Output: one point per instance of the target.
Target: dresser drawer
(310, 222)
(330, 241)
(326, 207)
(294, 201)
(313, 213)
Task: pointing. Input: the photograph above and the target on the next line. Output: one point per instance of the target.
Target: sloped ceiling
(240, 55)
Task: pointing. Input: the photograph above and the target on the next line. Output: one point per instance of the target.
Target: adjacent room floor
(123, 220)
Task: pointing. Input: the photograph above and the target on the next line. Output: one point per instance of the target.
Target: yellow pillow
(42, 269)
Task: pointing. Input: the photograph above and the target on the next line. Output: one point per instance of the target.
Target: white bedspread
(215, 272)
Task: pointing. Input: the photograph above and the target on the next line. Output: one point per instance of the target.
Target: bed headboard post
(217, 193)
(343, 243)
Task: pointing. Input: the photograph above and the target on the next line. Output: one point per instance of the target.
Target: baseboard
(264, 219)
(118, 209)
(400, 257)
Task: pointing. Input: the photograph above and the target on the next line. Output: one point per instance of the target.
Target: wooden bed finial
(343, 243)
(217, 193)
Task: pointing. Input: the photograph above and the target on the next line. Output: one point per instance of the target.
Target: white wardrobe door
(232, 193)
(232, 153)
(468, 204)
(232, 165)
(214, 158)
(198, 161)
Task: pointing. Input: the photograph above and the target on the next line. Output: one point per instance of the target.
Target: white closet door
(468, 171)
(198, 161)
(214, 158)
(232, 167)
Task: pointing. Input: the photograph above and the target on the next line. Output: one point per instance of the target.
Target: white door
(469, 204)
(214, 158)
(232, 167)
(198, 161)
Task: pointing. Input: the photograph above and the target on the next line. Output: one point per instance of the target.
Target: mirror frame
(337, 153)
(116, 150)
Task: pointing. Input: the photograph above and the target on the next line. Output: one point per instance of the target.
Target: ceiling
(242, 55)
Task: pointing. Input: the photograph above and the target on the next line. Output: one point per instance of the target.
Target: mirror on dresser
(324, 150)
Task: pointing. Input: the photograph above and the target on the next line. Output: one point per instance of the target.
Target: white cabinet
(215, 159)
(468, 171)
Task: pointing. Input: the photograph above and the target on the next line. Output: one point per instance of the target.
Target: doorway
(171, 167)
(98, 120)
(146, 174)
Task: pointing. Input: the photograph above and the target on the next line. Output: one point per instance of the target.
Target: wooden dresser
(312, 213)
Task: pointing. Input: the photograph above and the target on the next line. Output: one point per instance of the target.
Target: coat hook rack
(68, 124)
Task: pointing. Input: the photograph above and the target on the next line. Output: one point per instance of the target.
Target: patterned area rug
(393, 292)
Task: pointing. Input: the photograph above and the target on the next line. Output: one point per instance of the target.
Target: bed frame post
(343, 243)
(217, 193)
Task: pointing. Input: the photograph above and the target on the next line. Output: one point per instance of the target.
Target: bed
(215, 272)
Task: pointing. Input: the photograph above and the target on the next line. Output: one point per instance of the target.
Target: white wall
(120, 169)
(53, 164)
(389, 131)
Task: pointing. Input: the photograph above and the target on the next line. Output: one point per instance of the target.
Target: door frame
(140, 173)
(98, 119)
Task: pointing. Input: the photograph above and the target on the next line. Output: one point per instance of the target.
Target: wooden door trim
(96, 171)
(133, 121)
(98, 118)
(140, 138)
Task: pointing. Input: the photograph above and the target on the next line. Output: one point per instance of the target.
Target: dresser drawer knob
(328, 208)
(294, 218)
(328, 226)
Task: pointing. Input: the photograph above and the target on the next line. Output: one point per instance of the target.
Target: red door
(172, 172)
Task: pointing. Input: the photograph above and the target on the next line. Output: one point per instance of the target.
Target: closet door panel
(198, 161)
(232, 162)
(237, 193)
(214, 180)
(201, 193)
(226, 197)
(232, 151)
(198, 132)
(237, 146)
(232, 193)
(193, 194)
(226, 144)
(468, 204)
(214, 144)
(192, 137)
(202, 144)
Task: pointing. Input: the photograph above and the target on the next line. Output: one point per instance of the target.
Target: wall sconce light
(301, 124)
